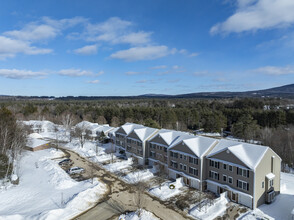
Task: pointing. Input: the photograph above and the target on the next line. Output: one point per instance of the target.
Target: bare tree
(139, 198)
(82, 133)
(68, 121)
(12, 140)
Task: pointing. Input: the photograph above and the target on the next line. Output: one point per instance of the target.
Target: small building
(35, 144)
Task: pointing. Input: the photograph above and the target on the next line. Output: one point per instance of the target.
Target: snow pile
(35, 135)
(83, 201)
(138, 176)
(118, 166)
(210, 211)
(45, 191)
(89, 150)
(57, 177)
(138, 215)
(164, 192)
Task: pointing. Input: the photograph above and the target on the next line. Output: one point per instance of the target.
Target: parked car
(75, 170)
(66, 162)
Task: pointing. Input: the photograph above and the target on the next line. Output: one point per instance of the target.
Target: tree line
(247, 118)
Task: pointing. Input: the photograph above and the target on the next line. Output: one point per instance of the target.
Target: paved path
(121, 197)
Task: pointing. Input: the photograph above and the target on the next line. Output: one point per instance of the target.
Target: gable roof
(129, 127)
(199, 145)
(145, 133)
(172, 137)
(249, 154)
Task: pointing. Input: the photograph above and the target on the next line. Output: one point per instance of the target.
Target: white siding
(172, 174)
(141, 161)
(195, 184)
(212, 187)
(245, 200)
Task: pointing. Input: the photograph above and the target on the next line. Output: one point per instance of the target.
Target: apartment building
(158, 146)
(121, 134)
(249, 173)
(187, 159)
(136, 143)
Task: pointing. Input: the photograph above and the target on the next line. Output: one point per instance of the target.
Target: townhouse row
(250, 174)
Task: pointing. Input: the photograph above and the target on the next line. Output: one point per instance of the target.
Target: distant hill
(286, 91)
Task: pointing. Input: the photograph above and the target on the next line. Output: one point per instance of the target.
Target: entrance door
(188, 182)
(234, 197)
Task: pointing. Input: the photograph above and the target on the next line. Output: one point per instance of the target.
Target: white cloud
(175, 67)
(20, 41)
(75, 72)
(87, 50)
(10, 47)
(275, 70)
(142, 53)
(116, 31)
(194, 54)
(159, 67)
(21, 74)
(143, 81)
(94, 81)
(252, 15)
(44, 29)
(132, 73)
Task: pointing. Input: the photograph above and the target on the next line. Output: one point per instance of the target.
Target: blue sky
(131, 47)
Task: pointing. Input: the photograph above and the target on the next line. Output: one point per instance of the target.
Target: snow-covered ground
(138, 215)
(138, 176)
(281, 208)
(119, 166)
(45, 191)
(165, 192)
(210, 211)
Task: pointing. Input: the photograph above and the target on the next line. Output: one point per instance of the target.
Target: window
(165, 149)
(225, 166)
(185, 157)
(214, 175)
(271, 183)
(262, 184)
(224, 178)
(193, 160)
(230, 168)
(193, 171)
(171, 154)
(128, 140)
(129, 148)
(139, 144)
(242, 185)
(165, 158)
(181, 156)
(152, 154)
(173, 164)
(175, 155)
(230, 179)
(242, 172)
(181, 166)
(185, 167)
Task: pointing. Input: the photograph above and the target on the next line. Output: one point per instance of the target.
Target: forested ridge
(268, 120)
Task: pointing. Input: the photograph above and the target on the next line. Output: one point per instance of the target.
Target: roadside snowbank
(138, 215)
(46, 191)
